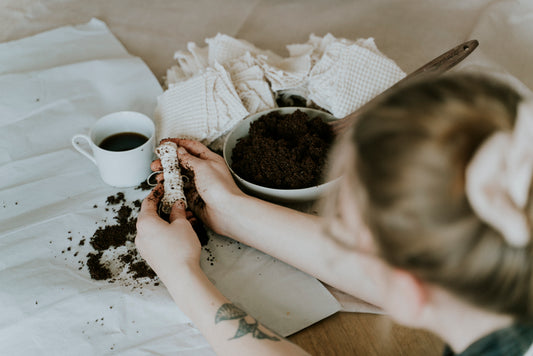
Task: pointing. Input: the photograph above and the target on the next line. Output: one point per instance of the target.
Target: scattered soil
(143, 186)
(96, 269)
(115, 199)
(114, 257)
(283, 151)
(116, 237)
(140, 270)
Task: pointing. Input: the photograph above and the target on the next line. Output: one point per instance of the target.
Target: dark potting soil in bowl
(283, 151)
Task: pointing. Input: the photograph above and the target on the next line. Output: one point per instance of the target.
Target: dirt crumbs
(115, 255)
(283, 151)
(97, 270)
(143, 186)
(112, 254)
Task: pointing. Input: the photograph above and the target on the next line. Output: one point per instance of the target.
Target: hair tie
(498, 178)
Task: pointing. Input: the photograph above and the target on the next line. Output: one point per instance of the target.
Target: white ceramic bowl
(278, 195)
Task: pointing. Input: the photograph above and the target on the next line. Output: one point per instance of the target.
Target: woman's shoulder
(515, 340)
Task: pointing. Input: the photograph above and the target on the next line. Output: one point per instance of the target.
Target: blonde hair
(404, 161)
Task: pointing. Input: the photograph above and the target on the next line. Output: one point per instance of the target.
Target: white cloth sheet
(203, 107)
(211, 89)
(410, 32)
(51, 198)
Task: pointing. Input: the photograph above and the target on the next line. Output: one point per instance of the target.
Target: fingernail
(181, 150)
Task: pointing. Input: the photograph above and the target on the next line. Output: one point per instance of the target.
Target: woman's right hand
(213, 180)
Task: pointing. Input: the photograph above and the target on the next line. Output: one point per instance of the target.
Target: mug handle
(80, 149)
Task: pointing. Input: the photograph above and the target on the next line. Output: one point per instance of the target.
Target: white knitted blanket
(211, 89)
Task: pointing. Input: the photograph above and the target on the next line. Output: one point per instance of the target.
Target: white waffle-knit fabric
(203, 107)
(212, 88)
(223, 48)
(286, 73)
(189, 64)
(250, 84)
(348, 75)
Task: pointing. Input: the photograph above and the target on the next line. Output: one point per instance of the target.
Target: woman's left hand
(168, 247)
(173, 251)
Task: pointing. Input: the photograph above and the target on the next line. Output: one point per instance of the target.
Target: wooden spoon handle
(436, 66)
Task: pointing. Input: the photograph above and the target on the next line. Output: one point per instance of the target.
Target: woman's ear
(407, 297)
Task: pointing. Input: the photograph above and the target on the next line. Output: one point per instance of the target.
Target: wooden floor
(365, 334)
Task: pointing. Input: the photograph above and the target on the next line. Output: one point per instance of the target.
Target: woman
(430, 221)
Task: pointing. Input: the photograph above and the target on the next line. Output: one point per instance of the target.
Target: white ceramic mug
(120, 168)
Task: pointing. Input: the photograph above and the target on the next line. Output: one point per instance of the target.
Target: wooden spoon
(437, 66)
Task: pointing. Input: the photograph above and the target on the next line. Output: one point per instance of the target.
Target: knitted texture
(173, 183)
(212, 88)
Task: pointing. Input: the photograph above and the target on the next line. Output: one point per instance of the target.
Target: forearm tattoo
(228, 311)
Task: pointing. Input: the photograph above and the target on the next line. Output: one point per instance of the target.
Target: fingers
(156, 166)
(196, 204)
(194, 148)
(160, 178)
(189, 161)
(197, 148)
(177, 211)
(170, 139)
(151, 202)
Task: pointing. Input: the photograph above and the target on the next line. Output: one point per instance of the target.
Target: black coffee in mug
(123, 141)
